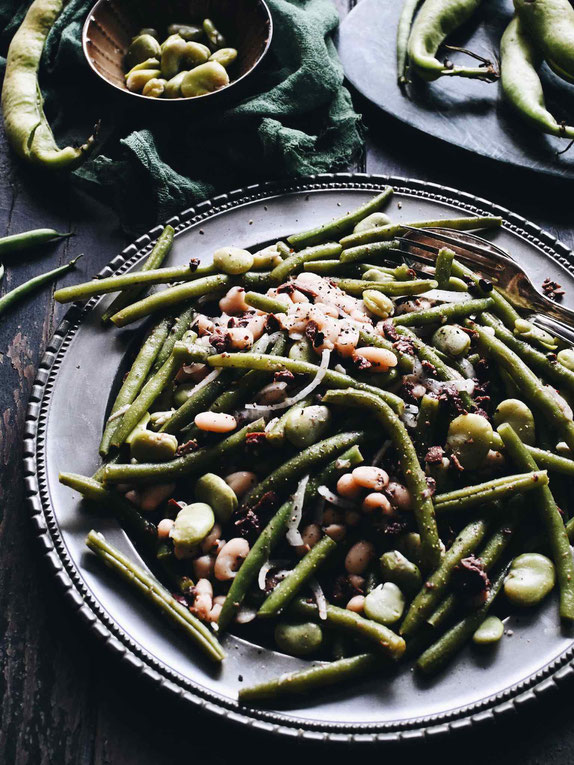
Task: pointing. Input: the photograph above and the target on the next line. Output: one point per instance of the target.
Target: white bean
(347, 339)
(211, 541)
(381, 358)
(273, 393)
(347, 486)
(240, 338)
(332, 515)
(337, 531)
(164, 527)
(204, 325)
(152, 497)
(234, 301)
(399, 495)
(230, 558)
(356, 604)
(215, 422)
(203, 567)
(370, 477)
(377, 501)
(359, 557)
(241, 481)
(203, 602)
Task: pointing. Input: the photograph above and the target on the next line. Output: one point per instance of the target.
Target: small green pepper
(298, 638)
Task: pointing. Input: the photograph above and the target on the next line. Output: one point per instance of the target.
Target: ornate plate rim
(69, 578)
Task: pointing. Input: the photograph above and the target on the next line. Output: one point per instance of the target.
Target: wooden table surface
(65, 699)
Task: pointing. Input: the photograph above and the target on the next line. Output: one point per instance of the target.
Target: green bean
(283, 477)
(530, 386)
(497, 488)
(436, 20)
(521, 85)
(258, 555)
(408, 11)
(443, 267)
(156, 594)
(424, 435)
(554, 525)
(415, 478)
(442, 314)
(396, 289)
(307, 567)
(380, 637)
(307, 680)
(364, 251)
(397, 229)
(153, 261)
(339, 226)
(489, 555)
(343, 463)
(270, 363)
(181, 466)
(178, 330)
(502, 307)
(296, 261)
(169, 297)
(435, 657)
(144, 531)
(434, 588)
(28, 239)
(264, 303)
(134, 380)
(148, 394)
(546, 365)
(552, 462)
(198, 401)
(23, 290)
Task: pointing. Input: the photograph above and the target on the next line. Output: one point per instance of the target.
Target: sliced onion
(340, 368)
(271, 424)
(296, 335)
(303, 393)
(447, 296)
(335, 499)
(460, 385)
(468, 369)
(320, 598)
(119, 413)
(410, 415)
(206, 380)
(293, 534)
(262, 575)
(245, 615)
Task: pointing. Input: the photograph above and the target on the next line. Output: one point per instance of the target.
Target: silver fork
(495, 265)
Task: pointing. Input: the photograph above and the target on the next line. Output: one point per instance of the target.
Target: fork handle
(554, 310)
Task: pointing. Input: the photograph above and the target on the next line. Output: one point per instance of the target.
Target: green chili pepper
(410, 7)
(550, 23)
(28, 239)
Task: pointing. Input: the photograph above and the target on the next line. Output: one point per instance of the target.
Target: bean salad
(336, 455)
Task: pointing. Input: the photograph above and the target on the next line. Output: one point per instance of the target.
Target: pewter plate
(65, 415)
(466, 113)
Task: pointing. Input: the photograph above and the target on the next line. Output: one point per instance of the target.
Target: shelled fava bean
(191, 61)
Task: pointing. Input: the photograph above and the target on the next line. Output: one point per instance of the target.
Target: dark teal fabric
(299, 119)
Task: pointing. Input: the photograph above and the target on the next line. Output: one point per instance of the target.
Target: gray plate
(64, 423)
(467, 113)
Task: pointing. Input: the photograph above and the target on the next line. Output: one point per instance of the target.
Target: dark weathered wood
(64, 697)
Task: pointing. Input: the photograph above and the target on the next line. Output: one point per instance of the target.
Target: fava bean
(173, 86)
(172, 52)
(189, 32)
(469, 439)
(490, 631)
(205, 78)
(374, 220)
(298, 638)
(225, 57)
(401, 571)
(148, 446)
(142, 47)
(377, 302)
(154, 88)
(566, 358)
(216, 39)
(306, 426)
(530, 578)
(232, 260)
(518, 415)
(215, 492)
(136, 81)
(452, 340)
(192, 524)
(385, 604)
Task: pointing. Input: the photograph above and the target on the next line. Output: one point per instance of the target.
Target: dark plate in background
(64, 423)
(467, 113)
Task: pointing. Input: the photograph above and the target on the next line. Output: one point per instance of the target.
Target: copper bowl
(111, 25)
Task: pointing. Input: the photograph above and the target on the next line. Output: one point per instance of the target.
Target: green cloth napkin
(297, 120)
